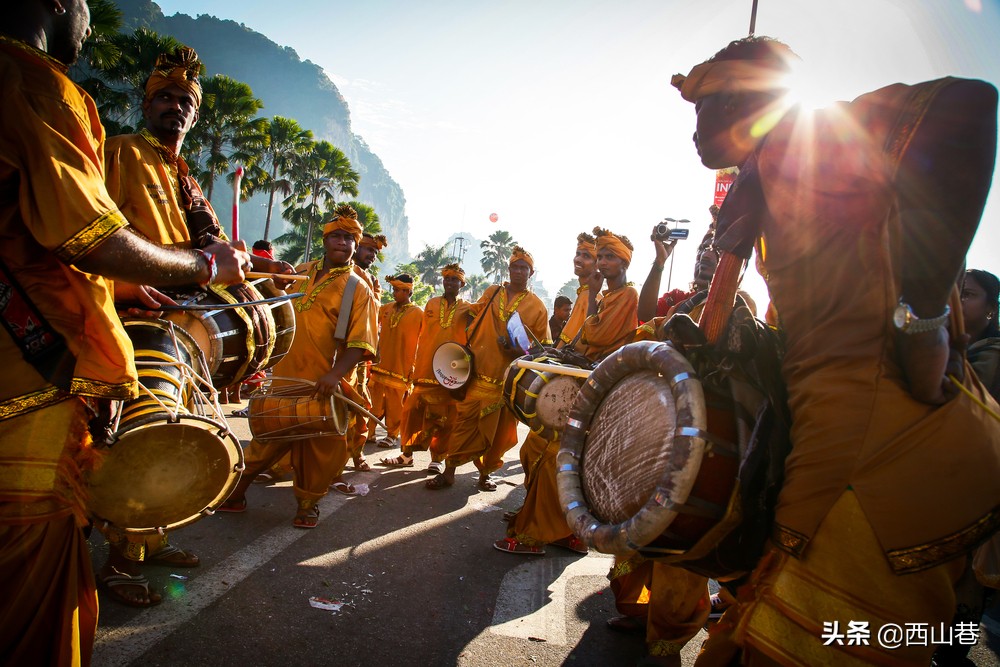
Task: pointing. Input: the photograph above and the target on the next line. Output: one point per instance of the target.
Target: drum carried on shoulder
(540, 389)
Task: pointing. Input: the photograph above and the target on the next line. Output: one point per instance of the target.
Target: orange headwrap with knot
(520, 253)
(345, 218)
(731, 76)
(402, 281)
(585, 242)
(619, 245)
(180, 68)
(453, 271)
(377, 241)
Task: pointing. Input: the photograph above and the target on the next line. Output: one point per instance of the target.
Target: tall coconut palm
(317, 176)
(430, 261)
(226, 134)
(475, 285)
(496, 254)
(284, 138)
(99, 51)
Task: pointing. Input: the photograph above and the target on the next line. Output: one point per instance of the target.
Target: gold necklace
(307, 303)
(446, 323)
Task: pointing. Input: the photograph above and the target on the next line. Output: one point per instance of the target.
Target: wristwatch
(908, 323)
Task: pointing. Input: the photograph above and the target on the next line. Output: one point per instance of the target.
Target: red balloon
(494, 217)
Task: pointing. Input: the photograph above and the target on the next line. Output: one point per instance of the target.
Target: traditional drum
(650, 457)
(237, 342)
(165, 467)
(540, 390)
(287, 408)
(283, 313)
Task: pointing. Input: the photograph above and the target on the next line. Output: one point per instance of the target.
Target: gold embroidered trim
(362, 345)
(502, 303)
(446, 323)
(28, 48)
(378, 370)
(306, 303)
(926, 556)
(19, 405)
(664, 647)
(623, 567)
(490, 409)
(488, 380)
(91, 236)
(97, 389)
(789, 540)
(581, 289)
(397, 315)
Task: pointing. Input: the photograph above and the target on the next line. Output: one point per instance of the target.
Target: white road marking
(532, 598)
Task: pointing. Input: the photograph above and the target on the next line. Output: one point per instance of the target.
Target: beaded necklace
(504, 313)
(306, 303)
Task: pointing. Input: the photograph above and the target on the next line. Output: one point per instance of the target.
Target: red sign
(723, 181)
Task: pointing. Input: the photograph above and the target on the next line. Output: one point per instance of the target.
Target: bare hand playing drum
(140, 300)
(231, 260)
(265, 265)
(346, 360)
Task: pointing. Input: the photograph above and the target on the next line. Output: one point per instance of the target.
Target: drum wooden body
(237, 342)
(166, 467)
(283, 314)
(286, 409)
(541, 399)
(649, 460)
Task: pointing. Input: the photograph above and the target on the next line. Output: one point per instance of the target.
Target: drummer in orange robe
(430, 410)
(317, 356)
(62, 237)
(864, 212)
(149, 181)
(399, 330)
(486, 428)
(609, 324)
(369, 248)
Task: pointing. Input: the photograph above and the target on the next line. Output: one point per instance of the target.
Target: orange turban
(403, 281)
(520, 253)
(453, 271)
(585, 242)
(619, 245)
(345, 218)
(731, 76)
(180, 68)
(378, 241)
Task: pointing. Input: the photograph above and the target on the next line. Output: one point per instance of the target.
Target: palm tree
(226, 133)
(98, 51)
(421, 291)
(284, 138)
(496, 254)
(430, 261)
(317, 177)
(475, 285)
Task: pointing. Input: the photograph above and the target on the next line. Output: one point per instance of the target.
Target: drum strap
(42, 346)
(346, 304)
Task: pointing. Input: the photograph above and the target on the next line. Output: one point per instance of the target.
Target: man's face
(339, 247)
(705, 265)
(583, 263)
(452, 286)
(170, 112)
(609, 264)
(562, 312)
(720, 133)
(520, 271)
(401, 295)
(364, 256)
(70, 31)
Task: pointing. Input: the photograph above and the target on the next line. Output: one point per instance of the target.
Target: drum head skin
(164, 475)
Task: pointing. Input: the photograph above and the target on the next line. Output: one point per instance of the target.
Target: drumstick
(253, 275)
(552, 368)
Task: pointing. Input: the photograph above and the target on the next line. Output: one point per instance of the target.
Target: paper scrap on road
(325, 603)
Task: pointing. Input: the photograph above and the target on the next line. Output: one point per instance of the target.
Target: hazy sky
(557, 115)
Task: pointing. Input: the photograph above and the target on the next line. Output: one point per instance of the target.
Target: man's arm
(650, 292)
(943, 180)
(129, 257)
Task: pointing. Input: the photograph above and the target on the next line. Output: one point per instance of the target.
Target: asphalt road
(411, 573)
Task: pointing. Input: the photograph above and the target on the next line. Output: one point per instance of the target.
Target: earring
(60, 10)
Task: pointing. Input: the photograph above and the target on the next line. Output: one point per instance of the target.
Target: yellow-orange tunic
(610, 328)
(54, 210)
(358, 433)
(485, 427)
(318, 459)
(144, 183)
(430, 411)
(399, 331)
(576, 317)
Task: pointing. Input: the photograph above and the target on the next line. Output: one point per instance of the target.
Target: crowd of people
(860, 217)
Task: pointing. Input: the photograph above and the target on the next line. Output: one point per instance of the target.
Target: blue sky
(558, 115)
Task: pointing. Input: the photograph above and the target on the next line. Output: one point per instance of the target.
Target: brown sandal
(306, 517)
